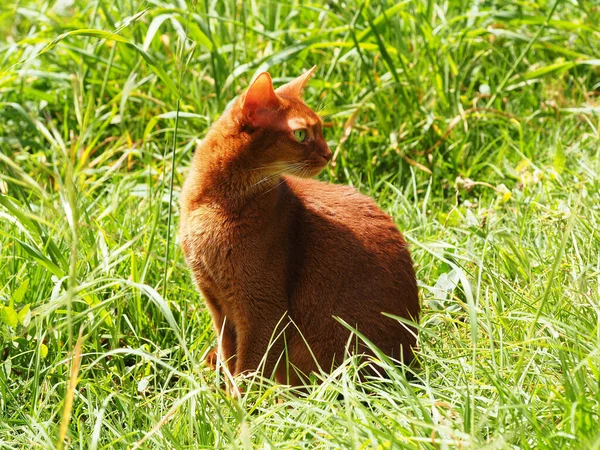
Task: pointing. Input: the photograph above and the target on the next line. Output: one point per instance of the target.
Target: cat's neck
(221, 176)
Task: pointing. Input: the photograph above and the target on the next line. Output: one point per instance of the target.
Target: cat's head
(285, 135)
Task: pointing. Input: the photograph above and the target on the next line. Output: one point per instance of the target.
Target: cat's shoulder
(309, 187)
(330, 197)
(340, 213)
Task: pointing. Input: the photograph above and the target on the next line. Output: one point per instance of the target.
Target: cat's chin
(310, 171)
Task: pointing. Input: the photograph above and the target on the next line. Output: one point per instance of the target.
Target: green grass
(476, 125)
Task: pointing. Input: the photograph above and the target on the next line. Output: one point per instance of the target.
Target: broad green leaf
(559, 159)
(9, 316)
(43, 351)
(20, 291)
(24, 315)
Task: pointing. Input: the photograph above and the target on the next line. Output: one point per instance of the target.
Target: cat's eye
(300, 134)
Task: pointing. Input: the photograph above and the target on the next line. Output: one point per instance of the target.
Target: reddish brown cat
(278, 255)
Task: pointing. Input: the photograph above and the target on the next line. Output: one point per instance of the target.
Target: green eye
(300, 135)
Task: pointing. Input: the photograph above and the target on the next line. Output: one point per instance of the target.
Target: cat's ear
(260, 97)
(295, 87)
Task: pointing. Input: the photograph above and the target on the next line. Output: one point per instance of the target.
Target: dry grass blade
(68, 405)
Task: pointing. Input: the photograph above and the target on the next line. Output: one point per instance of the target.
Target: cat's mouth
(313, 167)
(305, 169)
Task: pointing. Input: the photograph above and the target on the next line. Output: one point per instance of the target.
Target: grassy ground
(475, 124)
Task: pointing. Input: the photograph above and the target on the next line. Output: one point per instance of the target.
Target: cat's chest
(210, 238)
(222, 248)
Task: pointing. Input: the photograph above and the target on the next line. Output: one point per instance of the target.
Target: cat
(278, 256)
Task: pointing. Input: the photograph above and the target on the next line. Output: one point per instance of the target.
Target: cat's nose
(325, 152)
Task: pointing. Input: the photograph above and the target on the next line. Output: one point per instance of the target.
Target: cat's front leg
(260, 343)
(226, 336)
(224, 350)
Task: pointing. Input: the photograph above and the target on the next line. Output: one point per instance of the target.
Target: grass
(476, 125)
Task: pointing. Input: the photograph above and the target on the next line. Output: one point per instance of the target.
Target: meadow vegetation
(476, 125)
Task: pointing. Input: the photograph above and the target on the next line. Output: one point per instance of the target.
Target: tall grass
(474, 124)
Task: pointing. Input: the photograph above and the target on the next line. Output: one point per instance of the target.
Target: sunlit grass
(475, 125)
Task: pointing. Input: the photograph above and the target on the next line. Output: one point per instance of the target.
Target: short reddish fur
(278, 257)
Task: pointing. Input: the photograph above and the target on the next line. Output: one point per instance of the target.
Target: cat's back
(338, 228)
(337, 206)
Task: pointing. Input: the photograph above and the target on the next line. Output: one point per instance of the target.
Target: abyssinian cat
(278, 255)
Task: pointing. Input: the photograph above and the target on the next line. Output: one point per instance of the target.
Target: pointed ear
(295, 87)
(260, 96)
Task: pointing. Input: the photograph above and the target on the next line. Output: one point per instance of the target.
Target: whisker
(297, 167)
(275, 165)
(279, 167)
(275, 175)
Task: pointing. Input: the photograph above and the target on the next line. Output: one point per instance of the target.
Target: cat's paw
(211, 358)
